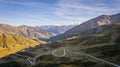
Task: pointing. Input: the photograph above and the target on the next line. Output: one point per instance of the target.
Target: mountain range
(94, 43)
(26, 31)
(21, 37)
(57, 29)
(85, 27)
(38, 32)
(98, 50)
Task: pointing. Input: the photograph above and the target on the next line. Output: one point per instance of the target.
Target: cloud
(80, 10)
(61, 12)
(24, 3)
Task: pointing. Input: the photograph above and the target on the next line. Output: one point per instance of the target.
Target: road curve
(53, 53)
(113, 64)
(28, 58)
(69, 50)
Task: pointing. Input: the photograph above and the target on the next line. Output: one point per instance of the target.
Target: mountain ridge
(57, 29)
(90, 24)
(26, 31)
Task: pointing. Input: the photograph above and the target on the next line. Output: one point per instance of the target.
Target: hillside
(10, 43)
(97, 22)
(103, 45)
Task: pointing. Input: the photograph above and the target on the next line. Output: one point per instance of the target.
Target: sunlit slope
(12, 43)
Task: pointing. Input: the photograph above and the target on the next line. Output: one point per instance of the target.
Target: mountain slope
(104, 45)
(95, 22)
(10, 43)
(90, 24)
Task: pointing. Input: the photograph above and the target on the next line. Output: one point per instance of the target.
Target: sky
(51, 12)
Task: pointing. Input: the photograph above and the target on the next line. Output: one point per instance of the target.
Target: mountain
(90, 24)
(26, 31)
(103, 45)
(56, 29)
(95, 22)
(96, 45)
(35, 32)
(11, 43)
(98, 50)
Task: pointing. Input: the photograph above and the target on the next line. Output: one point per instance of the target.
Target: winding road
(113, 64)
(110, 63)
(28, 58)
(64, 54)
(53, 53)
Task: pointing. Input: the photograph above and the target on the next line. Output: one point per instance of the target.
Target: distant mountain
(26, 31)
(35, 32)
(57, 29)
(11, 43)
(90, 24)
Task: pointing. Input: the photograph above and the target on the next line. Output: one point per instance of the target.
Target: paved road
(64, 53)
(53, 53)
(113, 64)
(28, 58)
(21, 55)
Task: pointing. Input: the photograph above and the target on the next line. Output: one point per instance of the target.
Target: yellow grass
(15, 43)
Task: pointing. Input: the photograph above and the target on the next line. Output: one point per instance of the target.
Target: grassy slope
(12, 43)
(104, 45)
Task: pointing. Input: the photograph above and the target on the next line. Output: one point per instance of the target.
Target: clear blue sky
(45, 12)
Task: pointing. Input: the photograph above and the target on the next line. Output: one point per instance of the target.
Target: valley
(90, 46)
(94, 50)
